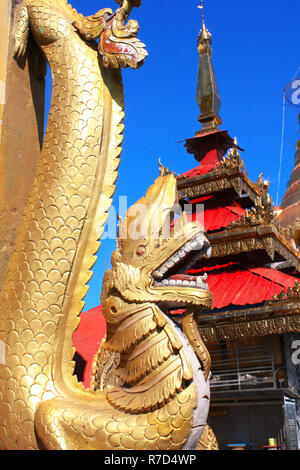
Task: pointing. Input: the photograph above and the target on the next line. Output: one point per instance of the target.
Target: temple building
(253, 274)
(252, 330)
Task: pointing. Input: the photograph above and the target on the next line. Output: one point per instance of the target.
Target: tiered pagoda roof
(253, 257)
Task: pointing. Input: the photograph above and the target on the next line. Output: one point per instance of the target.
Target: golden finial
(201, 7)
(204, 33)
(163, 170)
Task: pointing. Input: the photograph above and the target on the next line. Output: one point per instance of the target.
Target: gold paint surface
(21, 128)
(208, 440)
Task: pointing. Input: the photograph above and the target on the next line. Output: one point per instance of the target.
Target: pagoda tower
(290, 215)
(253, 275)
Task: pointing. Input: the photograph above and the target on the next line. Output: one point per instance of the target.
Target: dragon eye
(141, 250)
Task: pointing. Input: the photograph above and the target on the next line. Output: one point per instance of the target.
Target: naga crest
(118, 44)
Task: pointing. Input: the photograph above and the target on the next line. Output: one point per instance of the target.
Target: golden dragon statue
(159, 397)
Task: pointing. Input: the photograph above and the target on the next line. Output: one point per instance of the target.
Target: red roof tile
(235, 286)
(216, 215)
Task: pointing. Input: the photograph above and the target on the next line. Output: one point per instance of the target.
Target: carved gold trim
(249, 238)
(263, 327)
(218, 180)
(232, 160)
(292, 294)
(232, 247)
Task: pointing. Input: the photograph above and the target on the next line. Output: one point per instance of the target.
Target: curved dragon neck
(146, 361)
(95, 125)
(55, 247)
(153, 360)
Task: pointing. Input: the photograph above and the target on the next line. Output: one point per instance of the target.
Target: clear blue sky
(256, 53)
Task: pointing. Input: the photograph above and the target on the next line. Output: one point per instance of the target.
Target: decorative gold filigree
(163, 170)
(287, 232)
(104, 366)
(261, 214)
(230, 178)
(268, 326)
(232, 160)
(208, 440)
(291, 294)
(232, 247)
(252, 218)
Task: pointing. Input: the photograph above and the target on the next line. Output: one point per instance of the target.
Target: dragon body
(156, 395)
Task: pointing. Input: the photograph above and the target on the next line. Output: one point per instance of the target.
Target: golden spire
(208, 97)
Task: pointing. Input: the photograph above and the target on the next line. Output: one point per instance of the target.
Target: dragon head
(154, 252)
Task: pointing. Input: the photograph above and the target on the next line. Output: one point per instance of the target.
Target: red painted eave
(199, 137)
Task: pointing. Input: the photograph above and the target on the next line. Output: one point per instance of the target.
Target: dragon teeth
(170, 264)
(157, 275)
(187, 247)
(200, 242)
(175, 258)
(200, 283)
(196, 244)
(163, 269)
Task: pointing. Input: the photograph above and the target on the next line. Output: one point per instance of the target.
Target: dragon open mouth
(172, 272)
